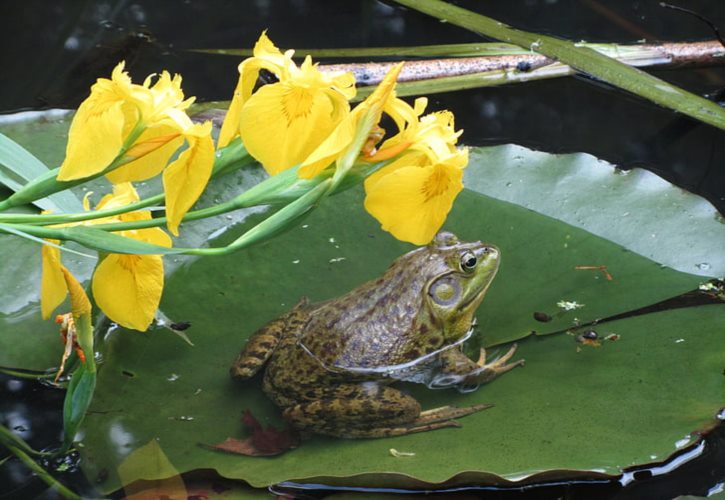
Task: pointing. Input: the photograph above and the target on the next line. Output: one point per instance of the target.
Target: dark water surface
(53, 51)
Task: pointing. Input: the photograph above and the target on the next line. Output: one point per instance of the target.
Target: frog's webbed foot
(489, 371)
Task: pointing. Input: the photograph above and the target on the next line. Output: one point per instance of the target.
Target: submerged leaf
(262, 442)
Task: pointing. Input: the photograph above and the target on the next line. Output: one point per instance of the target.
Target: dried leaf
(262, 442)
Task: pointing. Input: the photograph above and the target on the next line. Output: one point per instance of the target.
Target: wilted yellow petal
(128, 288)
(53, 289)
(153, 149)
(185, 178)
(412, 202)
(282, 123)
(79, 303)
(94, 140)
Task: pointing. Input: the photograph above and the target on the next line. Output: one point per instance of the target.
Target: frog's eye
(468, 262)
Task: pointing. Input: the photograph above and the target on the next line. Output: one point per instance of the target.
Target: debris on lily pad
(262, 442)
(398, 454)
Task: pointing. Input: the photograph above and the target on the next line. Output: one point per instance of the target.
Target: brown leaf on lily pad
(262, 442)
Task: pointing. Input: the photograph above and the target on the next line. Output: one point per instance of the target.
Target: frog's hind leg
(262, 343)
(370, 411)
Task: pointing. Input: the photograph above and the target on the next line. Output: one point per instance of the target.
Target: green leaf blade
(18, 166)
(584, 59)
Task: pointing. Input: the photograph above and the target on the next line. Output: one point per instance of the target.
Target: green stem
(580, 58)
(39, 219)
(272, 225)
(8, 438)
(43, 474)
(229, 158)
(26, 374)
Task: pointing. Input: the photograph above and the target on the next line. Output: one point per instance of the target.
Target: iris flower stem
(7, 438)
(229, 158)
(21, 451)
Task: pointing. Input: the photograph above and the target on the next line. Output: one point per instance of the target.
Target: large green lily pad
(597, 409)
(572, 407)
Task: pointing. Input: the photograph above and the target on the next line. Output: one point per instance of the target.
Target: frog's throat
(388, 370)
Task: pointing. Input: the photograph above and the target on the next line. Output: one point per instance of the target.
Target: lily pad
(594, 409)
(571, 408)
(635, 208)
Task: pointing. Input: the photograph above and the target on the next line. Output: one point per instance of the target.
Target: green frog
(329, 366)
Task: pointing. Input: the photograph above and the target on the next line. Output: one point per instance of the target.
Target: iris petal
(282, 124)
(128, 288)
(53, 289)
(154, 148)
(186, 177)
(412, 202)
(95, 138)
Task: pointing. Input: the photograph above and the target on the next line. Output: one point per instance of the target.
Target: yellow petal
(128, 288)
(94, 140)
(413, 159)
(153, 149)
(412, 202)
(154, 235)
(230, 126)
(185, 178)
(354, 128)
(282, 123)
(53, 289)
(123, 194)
(266, 56)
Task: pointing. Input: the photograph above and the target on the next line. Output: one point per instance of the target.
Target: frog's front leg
(369, 410)
(458, 370)
(262, 343)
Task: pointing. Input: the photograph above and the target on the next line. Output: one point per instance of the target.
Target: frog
(331, 367)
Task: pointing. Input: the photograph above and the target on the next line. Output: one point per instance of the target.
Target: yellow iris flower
(348, 138)
(126, 287)
(106, 121)
(412, 196)
(283, 122)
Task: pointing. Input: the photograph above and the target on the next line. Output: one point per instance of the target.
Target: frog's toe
(445, 413)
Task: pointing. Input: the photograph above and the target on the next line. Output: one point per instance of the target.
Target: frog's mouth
(475, 299)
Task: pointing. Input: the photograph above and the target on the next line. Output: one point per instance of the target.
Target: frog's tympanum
(329, 366)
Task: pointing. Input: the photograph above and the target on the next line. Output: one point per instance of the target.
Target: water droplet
(721, 414)
(703, 266)
(296, 261)
(173, 377)
(682, 442)
(509, 184)
(14, 385)
(186, 418)
(218, 154)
